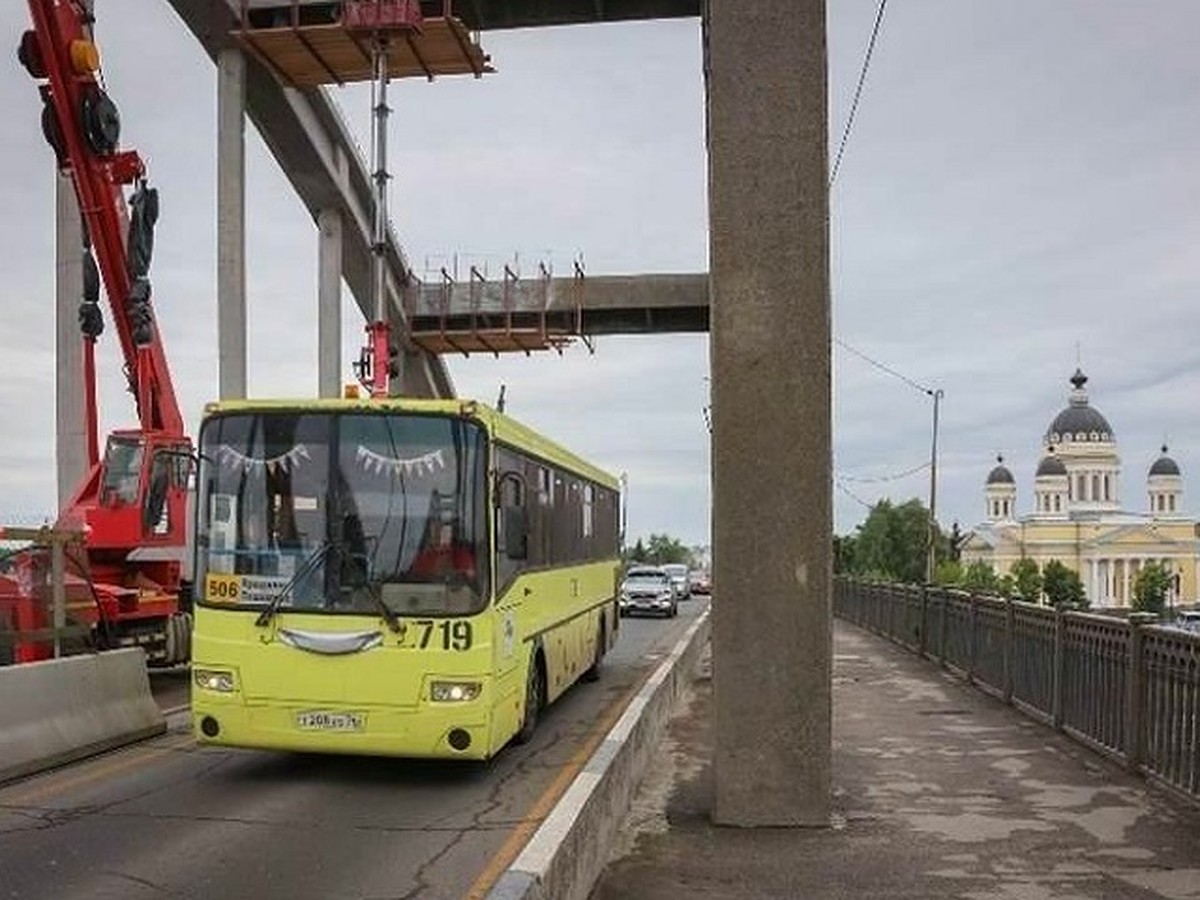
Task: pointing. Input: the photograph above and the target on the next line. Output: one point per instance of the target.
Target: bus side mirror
(516, 533)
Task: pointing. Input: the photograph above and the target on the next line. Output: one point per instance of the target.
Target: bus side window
(514, 523)
(512, 520)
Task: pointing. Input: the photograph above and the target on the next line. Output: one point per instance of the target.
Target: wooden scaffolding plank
(329, 54)
(495, 342)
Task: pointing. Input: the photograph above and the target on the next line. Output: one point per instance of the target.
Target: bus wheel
(535, 698)
(593, 674)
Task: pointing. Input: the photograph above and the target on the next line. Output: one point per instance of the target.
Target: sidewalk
(940, 791)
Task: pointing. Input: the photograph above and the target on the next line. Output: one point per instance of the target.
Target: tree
(1063, 588)
(638, 553)
(980, 578)
(948, 572)
(843, 554)
(892, 542)
(1150, 588)
(661, 549)
(1027, 579)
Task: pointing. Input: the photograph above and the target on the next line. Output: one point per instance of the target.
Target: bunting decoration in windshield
(284, 462)
(378, 464)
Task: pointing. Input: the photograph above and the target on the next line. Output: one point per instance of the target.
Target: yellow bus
(396, 577)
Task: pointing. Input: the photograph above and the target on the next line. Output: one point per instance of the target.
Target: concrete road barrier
(64, 709)
(570, 849)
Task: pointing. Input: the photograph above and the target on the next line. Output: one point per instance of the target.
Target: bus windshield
(342, 511)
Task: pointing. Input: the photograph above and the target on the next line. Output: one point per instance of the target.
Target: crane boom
(131, 506)
(86, 126)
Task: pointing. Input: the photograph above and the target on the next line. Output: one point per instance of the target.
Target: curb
(568, 852)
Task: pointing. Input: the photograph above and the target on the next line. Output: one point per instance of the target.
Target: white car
(681, 578)
(648, 589)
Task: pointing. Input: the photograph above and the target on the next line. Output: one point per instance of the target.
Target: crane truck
(123, 581)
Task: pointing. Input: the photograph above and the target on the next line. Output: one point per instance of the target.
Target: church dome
(1051, 465)
(1079, 422)
(1164, 465)
(1000, 474)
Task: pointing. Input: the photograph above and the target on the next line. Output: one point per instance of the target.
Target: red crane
(131, 504)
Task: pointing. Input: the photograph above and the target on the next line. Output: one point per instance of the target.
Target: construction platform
(506, 316)
(547, 312)
(313, 42)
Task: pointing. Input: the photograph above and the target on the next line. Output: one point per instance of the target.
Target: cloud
(1020, 180)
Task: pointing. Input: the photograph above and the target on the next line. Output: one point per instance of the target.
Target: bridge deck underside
(488, 15)
(495, 14)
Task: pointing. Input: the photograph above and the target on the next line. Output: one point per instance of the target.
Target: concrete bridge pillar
(231, 223)
(769, 251)
(329, 304)
(70, 437)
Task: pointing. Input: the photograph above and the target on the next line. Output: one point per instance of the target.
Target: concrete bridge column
(770, 353)
(231, 223)
(69, 389)
(329, 304)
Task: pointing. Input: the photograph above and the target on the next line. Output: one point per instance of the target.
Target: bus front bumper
(441, 731)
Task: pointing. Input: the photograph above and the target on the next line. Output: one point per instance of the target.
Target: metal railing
(1127, 688)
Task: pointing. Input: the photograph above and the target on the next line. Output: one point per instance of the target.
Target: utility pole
(931, 561)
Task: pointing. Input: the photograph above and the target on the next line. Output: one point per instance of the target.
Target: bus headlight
(453, 691)
(220, 680)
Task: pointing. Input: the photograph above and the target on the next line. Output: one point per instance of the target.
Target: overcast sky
(1023, 177)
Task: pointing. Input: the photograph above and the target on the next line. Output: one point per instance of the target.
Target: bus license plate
(322, 720)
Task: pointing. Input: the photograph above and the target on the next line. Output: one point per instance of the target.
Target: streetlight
(931, 562)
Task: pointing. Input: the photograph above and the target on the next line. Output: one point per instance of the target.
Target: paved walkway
(940, 791)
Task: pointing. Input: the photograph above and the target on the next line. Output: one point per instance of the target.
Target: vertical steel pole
(931, 561)
(379, 331)
(380, 112)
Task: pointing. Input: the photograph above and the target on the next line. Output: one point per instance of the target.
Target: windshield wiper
(306, 567)
(390, 616)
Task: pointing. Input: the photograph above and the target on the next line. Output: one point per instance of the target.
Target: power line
(883, 478)
(862, 77)
(882, 367)
(849, 493)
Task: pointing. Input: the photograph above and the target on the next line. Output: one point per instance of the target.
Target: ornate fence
(1127, 688)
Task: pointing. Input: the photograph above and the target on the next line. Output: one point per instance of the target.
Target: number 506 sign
(222, 588)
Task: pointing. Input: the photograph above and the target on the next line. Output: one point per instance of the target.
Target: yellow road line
(541, 808)
(123, 762)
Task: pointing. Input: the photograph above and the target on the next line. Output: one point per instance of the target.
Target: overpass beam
(231, 223)
(768, 210)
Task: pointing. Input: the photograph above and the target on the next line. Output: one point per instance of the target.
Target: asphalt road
(170, 687)
(170, 819)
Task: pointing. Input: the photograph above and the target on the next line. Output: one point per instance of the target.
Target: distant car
(1188, 619)
(701, 583)
(679, 577)
(648, 589)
